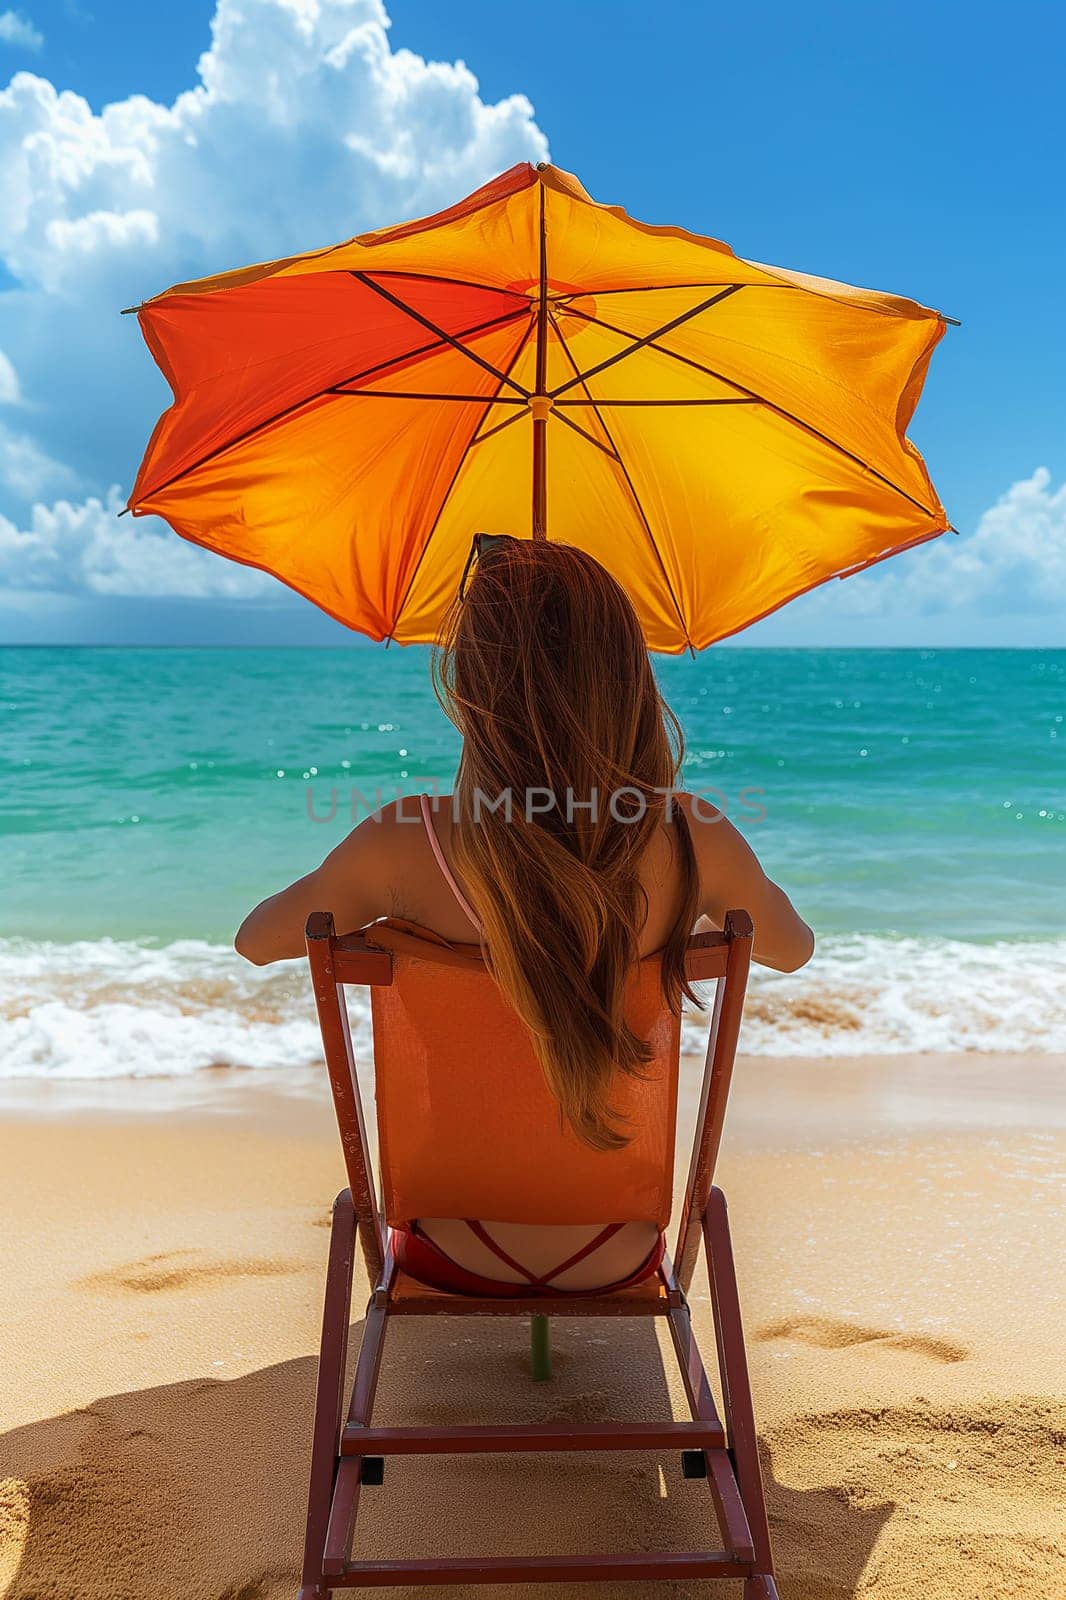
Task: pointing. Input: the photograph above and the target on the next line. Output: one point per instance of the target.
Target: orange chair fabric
(467, 1126)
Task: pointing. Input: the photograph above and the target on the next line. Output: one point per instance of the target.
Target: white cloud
(9, 382)
(303, 127)
(1015, 559)
(18, 30)
(26, 470)
(86, 548)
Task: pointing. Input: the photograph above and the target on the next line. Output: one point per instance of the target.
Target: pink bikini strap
(586, 1250)
(479, 1231)
(446, 871)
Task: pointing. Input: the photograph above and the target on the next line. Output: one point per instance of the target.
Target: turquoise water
(149, 797)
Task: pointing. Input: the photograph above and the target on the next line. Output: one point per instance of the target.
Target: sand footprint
(827, 1334)
(182, 1269)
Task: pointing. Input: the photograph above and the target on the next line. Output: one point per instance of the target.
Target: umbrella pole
(540, 472)
(540, 403)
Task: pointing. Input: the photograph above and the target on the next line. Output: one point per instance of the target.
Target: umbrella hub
(540, 405)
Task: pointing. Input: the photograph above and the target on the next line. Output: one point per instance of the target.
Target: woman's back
(424, 894)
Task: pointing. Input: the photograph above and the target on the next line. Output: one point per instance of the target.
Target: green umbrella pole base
(540, 1349)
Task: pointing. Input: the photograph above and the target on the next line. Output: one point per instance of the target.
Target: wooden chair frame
(348, 1452)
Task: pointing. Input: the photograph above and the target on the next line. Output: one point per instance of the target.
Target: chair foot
(540, 1349)
(762, 1587)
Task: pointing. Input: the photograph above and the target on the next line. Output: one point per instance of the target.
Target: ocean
(912, 802)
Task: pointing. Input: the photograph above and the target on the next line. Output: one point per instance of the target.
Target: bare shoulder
(715, 840)
(729, 870)
(732, 877)
(385, 839)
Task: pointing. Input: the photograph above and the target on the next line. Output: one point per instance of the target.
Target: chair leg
(540, 1349)
(736, 1391)
(761, 1588)
(329, 1393)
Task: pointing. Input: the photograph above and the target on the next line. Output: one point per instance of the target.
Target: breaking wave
(114, 1009)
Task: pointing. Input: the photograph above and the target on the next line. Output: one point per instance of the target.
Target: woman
(567, 852)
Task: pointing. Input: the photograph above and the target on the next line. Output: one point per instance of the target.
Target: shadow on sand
(197, 1490)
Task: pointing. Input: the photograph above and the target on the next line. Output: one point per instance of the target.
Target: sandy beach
(899, 1234)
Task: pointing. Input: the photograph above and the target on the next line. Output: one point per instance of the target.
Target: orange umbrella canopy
(721, 435)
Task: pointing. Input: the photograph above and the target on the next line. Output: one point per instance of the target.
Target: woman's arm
(732, 879)
(355, 882)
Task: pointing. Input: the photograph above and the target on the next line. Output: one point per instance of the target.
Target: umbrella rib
(455, 283)
(790, 288)
(490, 401)
(753, 394)
(416, 394)
(639, 343)
(554, 298)
(581, 378)
(434, 344)
(498, 427)
(471, 355)
(733, 400)
(298, 405)
(663, 288)
(607, 450)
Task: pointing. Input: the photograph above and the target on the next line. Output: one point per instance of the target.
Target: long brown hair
(543, 669)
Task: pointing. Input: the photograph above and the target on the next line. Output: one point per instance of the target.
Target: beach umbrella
(720, 434)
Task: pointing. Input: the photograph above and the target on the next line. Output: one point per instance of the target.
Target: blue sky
(914, 148)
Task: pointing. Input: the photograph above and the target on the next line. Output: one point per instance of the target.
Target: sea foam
(117, 1009)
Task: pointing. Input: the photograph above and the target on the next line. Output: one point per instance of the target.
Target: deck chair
(467, 1128)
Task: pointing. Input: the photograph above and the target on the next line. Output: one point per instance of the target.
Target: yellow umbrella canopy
(720, 434)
